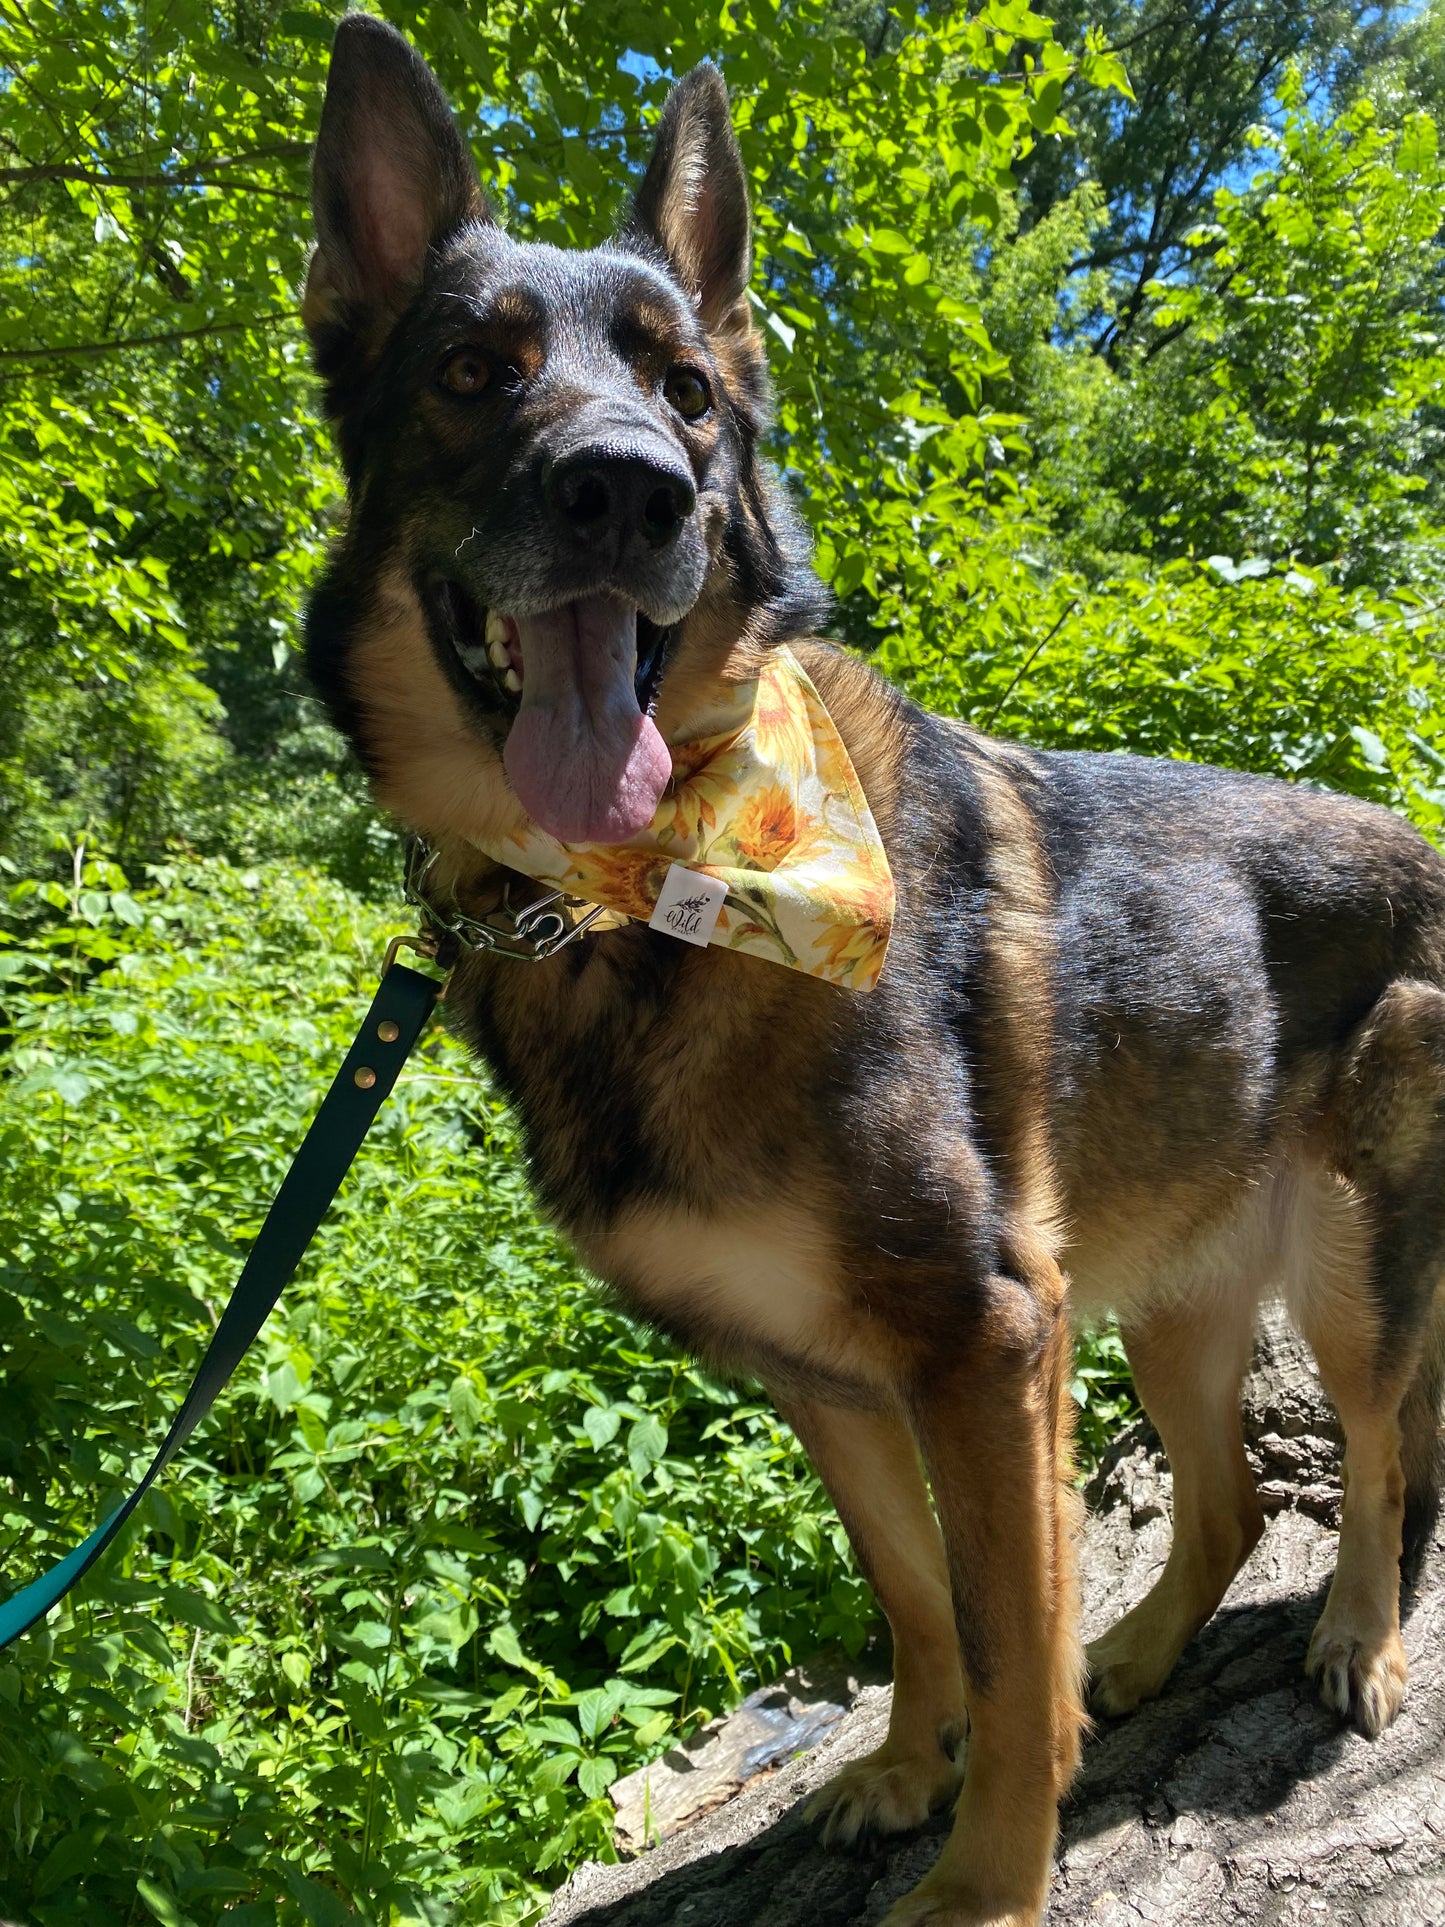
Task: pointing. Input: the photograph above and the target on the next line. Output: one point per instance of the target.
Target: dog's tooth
(496, 628)
(513, 681)
(497, 650)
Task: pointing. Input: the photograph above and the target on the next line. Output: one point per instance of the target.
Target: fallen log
(1234, 1799)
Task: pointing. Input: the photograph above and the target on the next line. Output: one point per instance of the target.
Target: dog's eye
(465, 373)
(688, 393)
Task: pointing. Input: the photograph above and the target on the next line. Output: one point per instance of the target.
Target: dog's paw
(885, 1792)
(1120, 1676)
(1360, 1677)
(939, 1901)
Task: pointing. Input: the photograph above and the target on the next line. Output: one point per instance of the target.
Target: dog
(1150, 1037)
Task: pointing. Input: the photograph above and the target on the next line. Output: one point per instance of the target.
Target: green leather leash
(398, 1015)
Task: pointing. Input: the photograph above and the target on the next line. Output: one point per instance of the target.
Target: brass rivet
(388, 1032)
(365, 1077)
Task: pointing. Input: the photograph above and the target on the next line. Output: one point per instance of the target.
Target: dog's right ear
(391, 179)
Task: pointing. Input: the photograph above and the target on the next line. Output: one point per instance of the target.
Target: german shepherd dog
(1150, 1036)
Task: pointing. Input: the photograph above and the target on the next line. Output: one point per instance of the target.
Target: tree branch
(148, 341)
(1028, 662)
(120, 176)
(1169, 24)
(167, 273)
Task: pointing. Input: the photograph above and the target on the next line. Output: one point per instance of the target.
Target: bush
(1273, 669)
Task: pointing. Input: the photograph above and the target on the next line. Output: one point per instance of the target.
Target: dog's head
(557, 503)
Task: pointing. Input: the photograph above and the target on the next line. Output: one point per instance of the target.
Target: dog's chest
(762, 1289)
(674, 1134)
(689, 1080)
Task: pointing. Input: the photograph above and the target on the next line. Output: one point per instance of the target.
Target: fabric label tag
(688, 905)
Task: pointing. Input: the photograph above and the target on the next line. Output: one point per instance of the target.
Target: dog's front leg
(870, 1465)
(992, 1419)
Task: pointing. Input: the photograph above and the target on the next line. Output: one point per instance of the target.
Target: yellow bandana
(765, 800)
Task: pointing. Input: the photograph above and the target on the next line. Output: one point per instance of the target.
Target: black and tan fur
(1150, 1037)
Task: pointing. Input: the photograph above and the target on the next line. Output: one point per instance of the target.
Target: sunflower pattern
(764, 796)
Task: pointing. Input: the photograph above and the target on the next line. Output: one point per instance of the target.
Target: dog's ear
(391, 178)
(693, 201)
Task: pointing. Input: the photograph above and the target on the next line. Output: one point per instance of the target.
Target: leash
(529, 933)
(398, 1015)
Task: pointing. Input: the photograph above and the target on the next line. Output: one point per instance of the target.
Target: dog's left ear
(693, 201)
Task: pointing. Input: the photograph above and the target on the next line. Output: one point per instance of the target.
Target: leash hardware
(422, 943)
(427, 947)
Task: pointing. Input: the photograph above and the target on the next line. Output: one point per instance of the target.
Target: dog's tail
(1423, 1439)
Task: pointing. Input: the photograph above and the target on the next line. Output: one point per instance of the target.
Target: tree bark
(1233, 1798)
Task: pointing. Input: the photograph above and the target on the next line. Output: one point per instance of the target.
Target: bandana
(763, 842)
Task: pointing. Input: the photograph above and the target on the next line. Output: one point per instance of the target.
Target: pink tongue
(586, 764)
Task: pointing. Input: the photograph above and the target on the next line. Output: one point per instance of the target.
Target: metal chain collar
(530, 933)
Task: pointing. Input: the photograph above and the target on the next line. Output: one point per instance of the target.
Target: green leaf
(601, 1423)
(555, 1771)
(308, 26)
(71, 1087)
(1418, 145)
(594, 1776)
(646, 1650)
(552, 1730)
(161, 1902)
(1371, 748)
(781, 329)
(319, 1906)
(646, 1443)
(75, 1854)
(191, 1608)
(466, 1406)
(1045, 106)
(504, 1643)
(595, 1710)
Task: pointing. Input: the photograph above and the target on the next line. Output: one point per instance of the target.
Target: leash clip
(421, 943)
(425, 945)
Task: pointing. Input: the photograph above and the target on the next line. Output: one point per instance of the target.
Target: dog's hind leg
(1188, 1361)
(1369, 1305)
(870, 1465)
(1356, 1653)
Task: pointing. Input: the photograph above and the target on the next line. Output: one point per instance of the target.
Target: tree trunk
(1234, 1798)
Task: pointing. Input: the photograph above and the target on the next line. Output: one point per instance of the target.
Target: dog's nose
(605, 494)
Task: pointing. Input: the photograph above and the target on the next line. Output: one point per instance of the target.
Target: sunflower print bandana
(765, 800)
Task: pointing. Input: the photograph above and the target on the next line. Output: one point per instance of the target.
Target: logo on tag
(688, 905)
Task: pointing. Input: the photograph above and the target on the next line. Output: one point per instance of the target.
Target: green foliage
(1203, 73)
(156, 503)
(1277, 670)
(1283, 398)
(457, 1547)
(1316, 324)
(1103, 1391)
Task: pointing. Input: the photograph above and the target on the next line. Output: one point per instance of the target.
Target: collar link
(530, 932)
